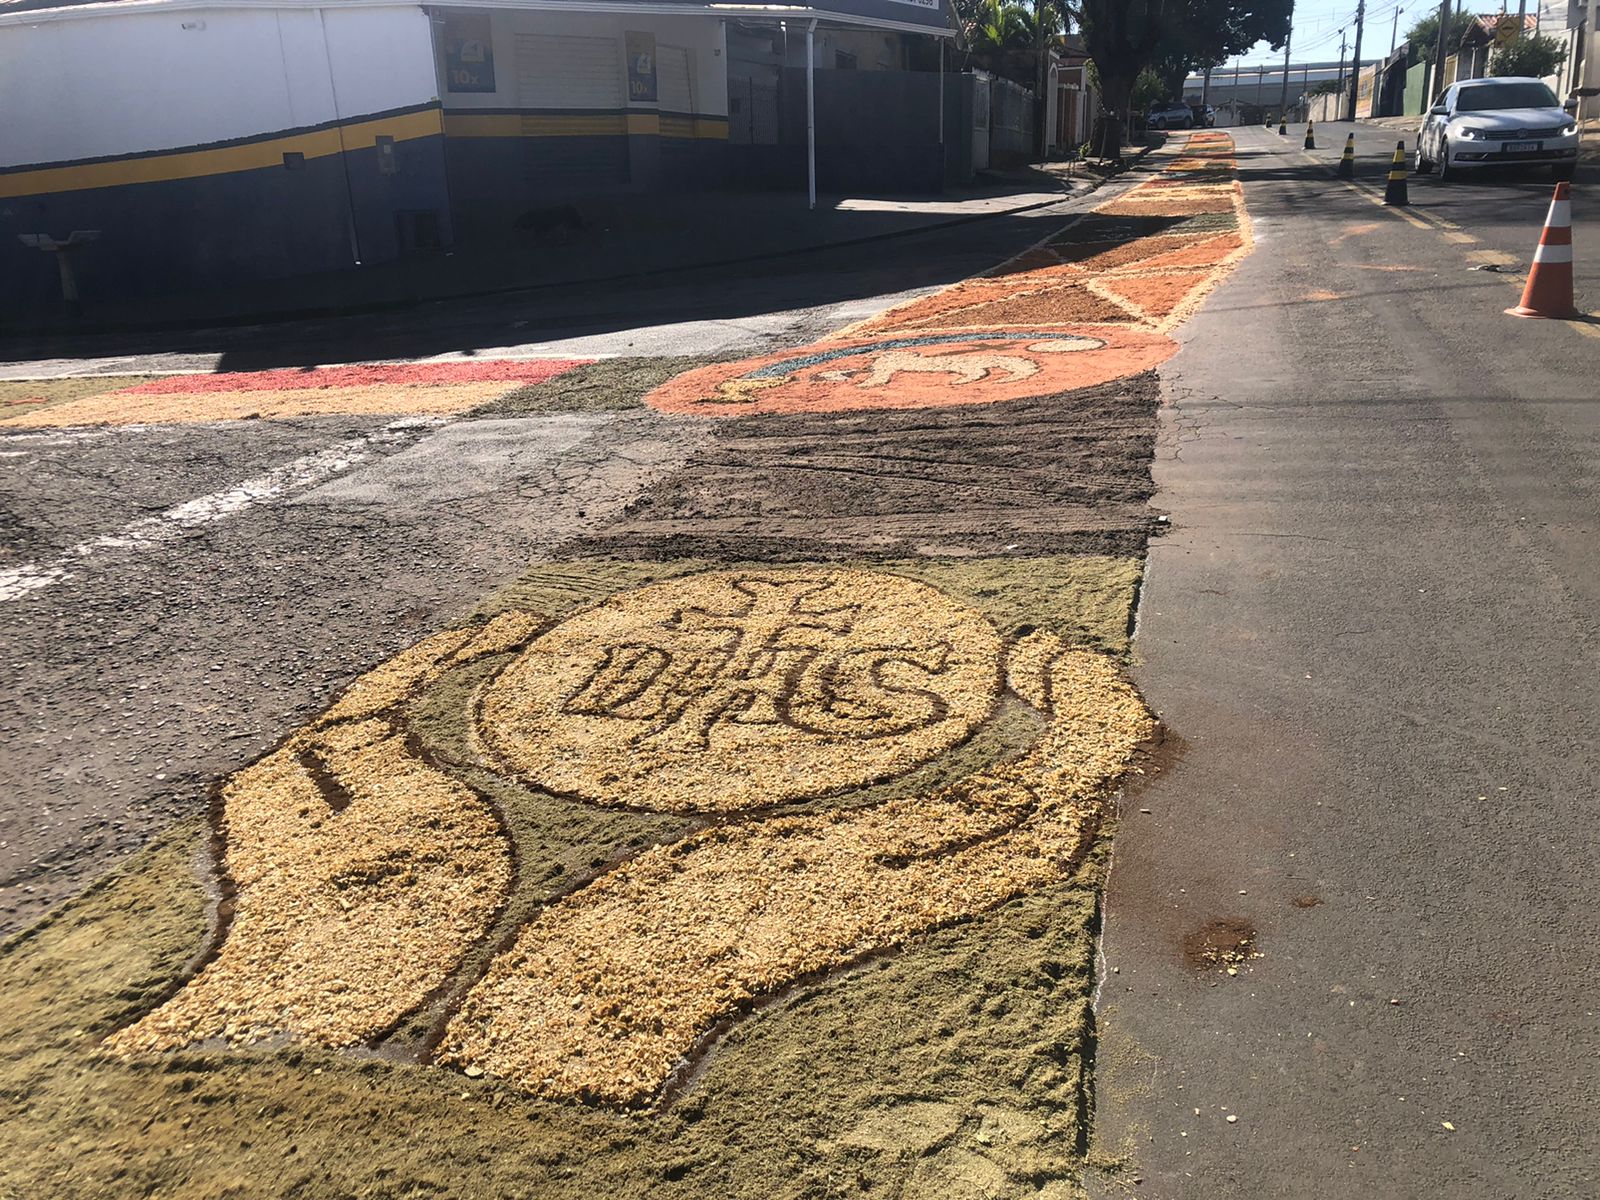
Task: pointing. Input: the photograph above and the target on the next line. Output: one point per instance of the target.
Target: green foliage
(999, 26)
(1424, 35)
(1535, 56)
(993, 26)
(1147, 90)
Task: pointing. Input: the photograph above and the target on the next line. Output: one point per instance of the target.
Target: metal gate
(980, 121)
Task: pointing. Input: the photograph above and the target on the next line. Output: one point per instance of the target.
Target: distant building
(218, 141)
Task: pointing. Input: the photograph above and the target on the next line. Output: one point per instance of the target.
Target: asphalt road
(1371, 635)
(157, 664)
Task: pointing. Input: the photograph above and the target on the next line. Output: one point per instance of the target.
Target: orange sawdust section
(1054, 281)
(1089, 293)
(610, 988)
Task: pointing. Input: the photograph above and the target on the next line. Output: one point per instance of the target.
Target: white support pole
(811, 115)
(941, 91)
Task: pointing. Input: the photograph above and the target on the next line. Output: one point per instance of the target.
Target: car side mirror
(1438, 110)
(1571, 106)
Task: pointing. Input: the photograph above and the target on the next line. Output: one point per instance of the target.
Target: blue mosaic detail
(790, 365)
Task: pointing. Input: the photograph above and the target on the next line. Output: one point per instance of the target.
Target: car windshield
(1505, 95)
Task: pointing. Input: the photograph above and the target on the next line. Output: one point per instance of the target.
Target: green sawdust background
(952, 1070)
(606, 385)
(955, 1068)
(15, 394)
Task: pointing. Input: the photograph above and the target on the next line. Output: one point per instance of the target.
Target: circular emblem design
(743, 690)
(916, 371)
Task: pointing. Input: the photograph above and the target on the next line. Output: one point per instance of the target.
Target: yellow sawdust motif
(364, 873)
(746, 690)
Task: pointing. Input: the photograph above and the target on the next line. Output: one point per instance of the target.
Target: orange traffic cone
(1549, 290)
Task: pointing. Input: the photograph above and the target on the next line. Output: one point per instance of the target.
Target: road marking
(295, 475)
(1588, 325)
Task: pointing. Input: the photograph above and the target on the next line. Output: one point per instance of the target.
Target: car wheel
(1445, 173)
(1424, 164)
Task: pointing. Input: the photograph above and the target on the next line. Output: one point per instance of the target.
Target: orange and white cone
(1549, 290)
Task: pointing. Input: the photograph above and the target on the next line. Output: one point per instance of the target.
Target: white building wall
(116, 84)
(701, 36)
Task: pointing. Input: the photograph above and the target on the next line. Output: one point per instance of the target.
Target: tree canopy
(1125, 37)
(1423, 36)
(1535, 56)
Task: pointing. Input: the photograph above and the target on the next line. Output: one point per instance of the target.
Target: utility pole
(1261, 74)
(1438, 50)
(1355, 65)
(1394, 31)
(1205, 88)
(1341, 59)
(1283, 99)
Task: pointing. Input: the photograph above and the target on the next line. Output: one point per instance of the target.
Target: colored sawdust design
(792, 1101)
(1154, 295)
(948, 348)
(398, 389)
(610, 989)
(26, 396)
(928, 371)
(363, 873)
(1061, 473)
(366, 868)
(728, 692)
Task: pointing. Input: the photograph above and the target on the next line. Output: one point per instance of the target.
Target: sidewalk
(627, 238)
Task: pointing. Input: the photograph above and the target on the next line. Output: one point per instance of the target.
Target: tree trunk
(1116, 94)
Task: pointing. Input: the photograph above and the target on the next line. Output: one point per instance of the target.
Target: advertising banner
(468, 53)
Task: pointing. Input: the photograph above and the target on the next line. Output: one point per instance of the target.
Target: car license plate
(1521, 147)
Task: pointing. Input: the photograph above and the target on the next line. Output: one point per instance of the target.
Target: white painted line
(303, 472)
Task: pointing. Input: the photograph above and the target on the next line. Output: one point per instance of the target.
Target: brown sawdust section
(610, 989)
(1068, 473)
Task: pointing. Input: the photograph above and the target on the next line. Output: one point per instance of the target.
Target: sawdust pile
(606, 993)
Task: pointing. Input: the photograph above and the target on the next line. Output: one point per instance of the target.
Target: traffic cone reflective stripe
(1396, 193)
(1347, 160)
(1311, 138)
(1549, 289)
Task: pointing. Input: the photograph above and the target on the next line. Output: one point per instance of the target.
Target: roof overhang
(928, 17)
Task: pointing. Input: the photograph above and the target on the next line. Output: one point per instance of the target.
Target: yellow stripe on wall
(510, 125)
(221, 160)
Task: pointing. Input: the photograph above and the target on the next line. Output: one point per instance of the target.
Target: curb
(321, 312)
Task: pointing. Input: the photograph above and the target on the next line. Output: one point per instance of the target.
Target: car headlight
(1473, 135)
(1569, 130)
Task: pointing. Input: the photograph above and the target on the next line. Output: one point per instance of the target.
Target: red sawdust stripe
(417, 374)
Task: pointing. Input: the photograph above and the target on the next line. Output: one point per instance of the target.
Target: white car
(1490, 122)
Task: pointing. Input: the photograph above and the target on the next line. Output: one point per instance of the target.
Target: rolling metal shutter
(568, 72)
(570, 154)
(675, 86)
